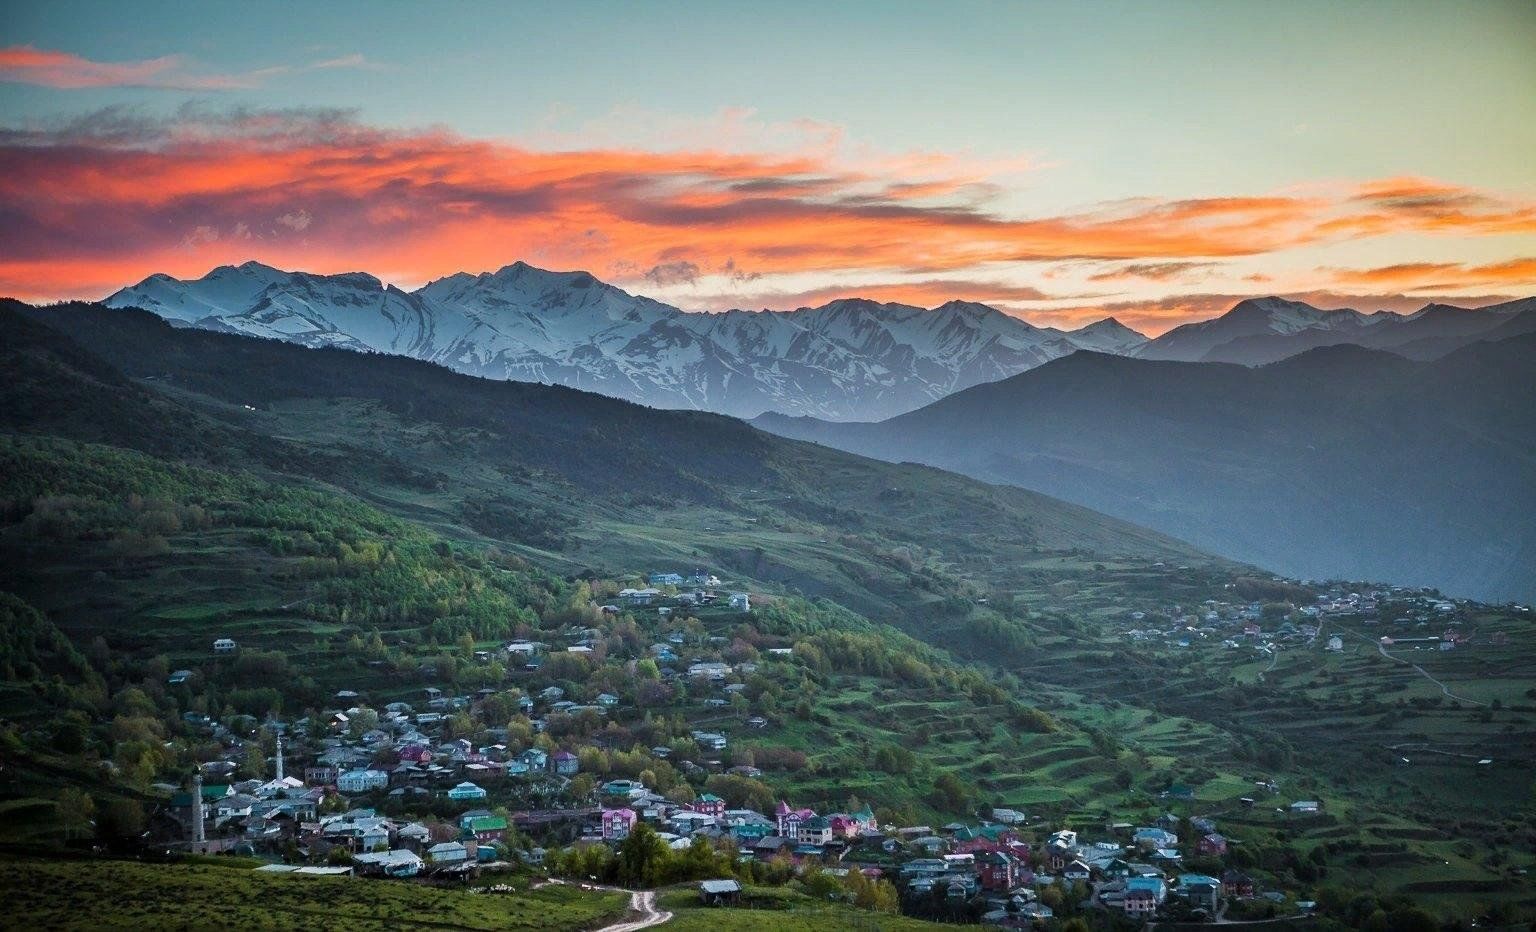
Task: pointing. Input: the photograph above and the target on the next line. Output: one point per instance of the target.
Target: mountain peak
(1107, 325)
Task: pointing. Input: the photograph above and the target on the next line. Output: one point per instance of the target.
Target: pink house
(617, 823)
(416, 754)
(709, 804)
(844, 827)
(790, 819)
(1213, 844)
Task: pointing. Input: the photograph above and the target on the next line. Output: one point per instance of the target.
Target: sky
(1152, 161)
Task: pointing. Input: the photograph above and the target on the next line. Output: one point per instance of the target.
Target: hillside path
(644, 903)
(1443, 688)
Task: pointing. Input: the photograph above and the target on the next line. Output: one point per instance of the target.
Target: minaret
(279, 776)
(197, 808)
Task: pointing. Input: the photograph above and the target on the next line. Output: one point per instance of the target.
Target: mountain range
(1339, 462)
(1265, 330)
(846, 359)
(570, 480)
(849, 359)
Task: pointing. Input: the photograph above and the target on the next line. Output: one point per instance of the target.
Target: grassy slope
(779, 909)
(212, 895)
(627, 487)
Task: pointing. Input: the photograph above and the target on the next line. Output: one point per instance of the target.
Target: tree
(69, 737)
(76, 809)
(642, 857)
(255, 762)
(120, 818)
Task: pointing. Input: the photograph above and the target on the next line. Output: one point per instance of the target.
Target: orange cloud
(1150, 271)
(1440, 276)
(107, 199)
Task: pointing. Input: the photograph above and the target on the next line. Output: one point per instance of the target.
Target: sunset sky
(1063, 162)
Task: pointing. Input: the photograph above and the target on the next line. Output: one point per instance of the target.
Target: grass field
(779, 909)
(89, 895)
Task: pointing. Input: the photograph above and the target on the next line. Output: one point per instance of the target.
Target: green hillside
(367, 523)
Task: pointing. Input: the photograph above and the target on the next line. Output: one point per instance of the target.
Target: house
(565, 763)
(998, 870)
(1237, 883)
(224, 646)
(709, 740)
(448, 852)
(711, 670)
(1143, 895)
(1335, 643)
(1076, 871)
(416, 754)
(398, 863)
(1200, 890)
(629, 789)
(362, 781)
(639, 596)
(789, 819)
(488, 828)
(817, 830)
(664, 579)
(179, 677)
(537, 759)
(1212, 845)
(414, 835)
(686, 822)
(617, 823)
(320, 775)
(1152, 839)
(607, 700)
(741, 602)
(466, 790)
(865, 820)
(720, 892)
(1306, 807)
(709, 804)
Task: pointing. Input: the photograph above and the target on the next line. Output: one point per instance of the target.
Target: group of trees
(643, 859)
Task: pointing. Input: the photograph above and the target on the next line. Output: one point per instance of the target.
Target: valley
(949, 651)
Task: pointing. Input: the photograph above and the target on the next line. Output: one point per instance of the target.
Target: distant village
(1421, 619)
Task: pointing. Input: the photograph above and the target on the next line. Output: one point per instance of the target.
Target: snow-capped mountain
(1109, 336)
(850, 359)
(847, 360)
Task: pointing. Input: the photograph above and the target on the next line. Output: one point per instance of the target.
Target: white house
(741, 602)
(224, 646)
(362, 781)
(398, 863)
(448, 852)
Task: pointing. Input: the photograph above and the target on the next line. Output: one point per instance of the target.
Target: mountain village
(430, 788)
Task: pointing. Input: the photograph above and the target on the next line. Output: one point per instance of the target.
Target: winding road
(642, 902)
(1443, 688)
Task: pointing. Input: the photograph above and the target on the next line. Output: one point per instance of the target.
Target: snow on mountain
(225, 290)
(850, 359)
(1107, 336)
